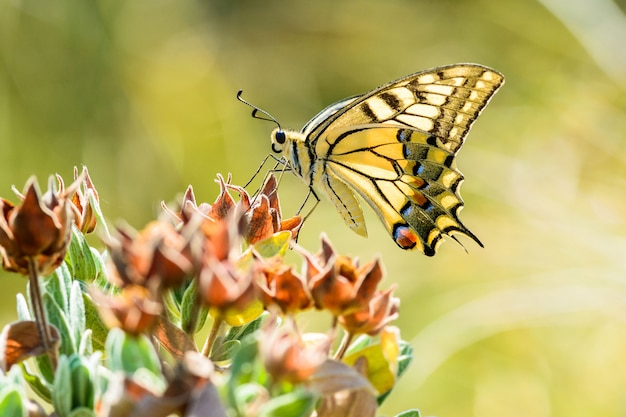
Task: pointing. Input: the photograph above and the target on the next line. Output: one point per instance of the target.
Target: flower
(135, 309)
(337, 283)
(222, 208)
(158, 256)
(380, 311)
(281, 287)
(226, 288)
(84, 216)
(38, 230)
(262, 216)
(289, 357)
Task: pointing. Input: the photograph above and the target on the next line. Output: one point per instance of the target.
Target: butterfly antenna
(256, 110)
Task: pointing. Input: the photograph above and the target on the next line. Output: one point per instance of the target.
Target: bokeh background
(143, 93)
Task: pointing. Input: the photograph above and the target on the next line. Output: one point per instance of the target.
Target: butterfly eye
(280, 137)
(278, 140)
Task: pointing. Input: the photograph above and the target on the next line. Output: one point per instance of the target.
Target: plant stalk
(39, 311)
(215, 328)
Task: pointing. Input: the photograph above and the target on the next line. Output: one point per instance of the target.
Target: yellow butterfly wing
(395, 147)
(408, 180)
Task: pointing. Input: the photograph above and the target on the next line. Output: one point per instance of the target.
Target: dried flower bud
(39, 229)
(84, 215)
(214, 221)
(223, 287)
(287, 357)
(338, 284)
(381, 310)
(135, 309)
(156, 256)
(280, 286)
(223, 205)
(220, 240)
(262, 216)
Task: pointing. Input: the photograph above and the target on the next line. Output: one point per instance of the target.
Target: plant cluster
(194, 315)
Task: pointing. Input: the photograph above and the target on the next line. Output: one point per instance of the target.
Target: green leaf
(294, 404)
(80, 256)
(23, 312)
(98, 259)
(241, 370)
(239, 332)
(45, 368)
(77, 312)
(409, 413)
(62, 388)
(40, 386)
(191, 311)
(129, 353)
(83, 391)
(94, 322)
(57, 286)
(95, 205)
(13, 398)
(12, 403)
(58, 318)
(405, 358)
(248, 393)
(82, 412)
(86, 345)
(174, 299)
(225, 350)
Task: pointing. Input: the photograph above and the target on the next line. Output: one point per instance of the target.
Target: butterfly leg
(279, 161)
(306, 199)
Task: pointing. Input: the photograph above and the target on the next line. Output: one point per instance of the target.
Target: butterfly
(395, 147)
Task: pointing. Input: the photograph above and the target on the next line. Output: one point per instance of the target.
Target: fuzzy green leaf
(62, 388)
(294, 404)
(80, 256)
(409, 413)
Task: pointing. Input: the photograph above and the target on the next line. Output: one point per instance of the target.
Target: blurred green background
(143, 93)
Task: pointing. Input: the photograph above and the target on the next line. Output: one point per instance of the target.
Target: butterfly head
(279, 138)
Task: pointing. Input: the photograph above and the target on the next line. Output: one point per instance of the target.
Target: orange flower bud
(135, 309)
(280, 286)
(156, 256)
(338, 284)
(38, 229)
(381, 310)
(225, 288)
(84, 216)
(262, 216)
(222, 208)
(287, 357)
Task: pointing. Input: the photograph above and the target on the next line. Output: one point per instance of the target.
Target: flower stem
(39, 311)
(208, 345)
(345, 342)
